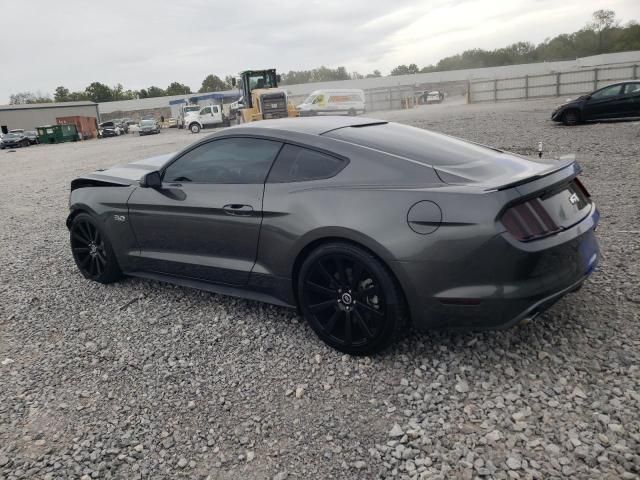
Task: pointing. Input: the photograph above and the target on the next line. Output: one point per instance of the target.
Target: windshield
(262, 80)
(147, 123)
(11, 135)
(309, 99)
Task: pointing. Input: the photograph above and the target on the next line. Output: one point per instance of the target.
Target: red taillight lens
(528, 220)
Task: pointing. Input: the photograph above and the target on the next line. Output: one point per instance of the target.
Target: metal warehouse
(30, 116)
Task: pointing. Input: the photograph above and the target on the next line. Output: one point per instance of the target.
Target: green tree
(374, 74)
(213, 83)
(602, 22)
(99, 92)
(29, 97)
(61, 94)
(176, 88)
(405, 70)
(155, 92)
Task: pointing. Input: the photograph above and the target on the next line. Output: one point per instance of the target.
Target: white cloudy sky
(153, 42)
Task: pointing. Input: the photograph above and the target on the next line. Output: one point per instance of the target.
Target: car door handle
(238, 209)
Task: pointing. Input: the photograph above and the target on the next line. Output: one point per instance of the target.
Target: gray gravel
(147, 380)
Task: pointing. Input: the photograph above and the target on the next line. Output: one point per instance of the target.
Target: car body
(448, 233)
(14, 139)
(109, 129)
(148, 127)
(619, 100)
(434, 97)
(32, 136)
(333, 102)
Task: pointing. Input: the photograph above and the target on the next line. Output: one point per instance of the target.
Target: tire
(571, 117)
(350, 299)
(92, 250)
(26, 143)
(194, 127)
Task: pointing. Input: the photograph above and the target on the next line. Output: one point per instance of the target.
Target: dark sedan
(366, 226)
(621, 100)
(148, 127)
(13, 140)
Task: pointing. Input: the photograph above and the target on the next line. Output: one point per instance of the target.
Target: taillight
(529, 220)
(581, 186)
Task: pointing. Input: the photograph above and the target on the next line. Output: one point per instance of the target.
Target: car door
(604, 103)
(204, 221)
(631, 97)
(206, 118)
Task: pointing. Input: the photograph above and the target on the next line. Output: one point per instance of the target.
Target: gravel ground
(145, 380)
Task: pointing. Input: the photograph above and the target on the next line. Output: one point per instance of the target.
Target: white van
(333, 102)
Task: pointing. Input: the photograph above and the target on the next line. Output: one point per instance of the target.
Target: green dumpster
(57, 133)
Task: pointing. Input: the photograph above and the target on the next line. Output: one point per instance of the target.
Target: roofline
(34, 106)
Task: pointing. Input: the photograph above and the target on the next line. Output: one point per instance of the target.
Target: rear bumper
(504, 282)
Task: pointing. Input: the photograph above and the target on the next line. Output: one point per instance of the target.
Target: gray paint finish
(470, 271)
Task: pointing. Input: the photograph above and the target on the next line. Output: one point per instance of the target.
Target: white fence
(550, 84)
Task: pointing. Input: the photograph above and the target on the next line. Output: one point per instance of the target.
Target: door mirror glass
(151, 180)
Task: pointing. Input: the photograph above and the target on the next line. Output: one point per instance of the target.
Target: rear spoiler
(561, 165)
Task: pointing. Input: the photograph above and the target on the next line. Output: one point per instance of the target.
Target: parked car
(333, 102)
(109, 129)
(620, 100)
(148, 127)
(13, 139)
(434, 97)
(32, 136)
(364, 225)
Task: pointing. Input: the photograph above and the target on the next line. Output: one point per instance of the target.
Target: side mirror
(151, 180)
(233, 81)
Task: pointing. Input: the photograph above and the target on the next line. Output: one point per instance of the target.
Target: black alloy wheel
(92, 251)
(350, 299)
(571, 117)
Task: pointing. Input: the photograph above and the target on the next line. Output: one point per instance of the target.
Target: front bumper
(505, 281)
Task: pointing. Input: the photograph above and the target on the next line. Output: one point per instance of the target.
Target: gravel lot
(146, 380)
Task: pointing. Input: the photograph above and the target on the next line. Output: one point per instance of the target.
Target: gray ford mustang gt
(366, 226)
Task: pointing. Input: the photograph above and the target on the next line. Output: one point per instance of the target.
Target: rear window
(447, 154)
(297, 164)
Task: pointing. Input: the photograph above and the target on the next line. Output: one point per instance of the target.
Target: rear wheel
(26, 143)
(571, 117)
(350, 299)
(92, 250)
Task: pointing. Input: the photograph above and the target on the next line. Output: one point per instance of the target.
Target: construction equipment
(261, 98)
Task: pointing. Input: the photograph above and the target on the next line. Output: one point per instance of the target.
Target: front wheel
(350, 299)
(92, 250)
(571, 117)
(195, 128)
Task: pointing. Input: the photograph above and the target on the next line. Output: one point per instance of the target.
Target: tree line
(604, 34)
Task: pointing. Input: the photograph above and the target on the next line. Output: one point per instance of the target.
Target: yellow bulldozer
(261, 98)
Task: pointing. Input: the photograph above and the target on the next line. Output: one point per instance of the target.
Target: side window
(319, 99)
(214, 109)
(297, 164)
(632, 88)
(205, 111)
(611, 91)
(228, 160)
